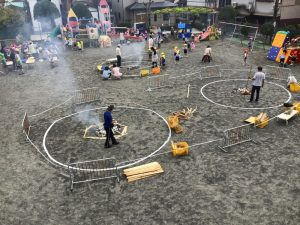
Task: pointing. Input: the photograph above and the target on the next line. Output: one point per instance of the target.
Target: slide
(205, 35)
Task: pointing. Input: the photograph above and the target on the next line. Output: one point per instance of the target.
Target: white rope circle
(120, 167)
(242, 108)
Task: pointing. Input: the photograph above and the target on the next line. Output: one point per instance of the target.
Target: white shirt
(291, 79)
(150, 42)
(258, 79)
(118, 51)
(207, 51)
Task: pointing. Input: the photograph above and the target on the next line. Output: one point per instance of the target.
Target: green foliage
(11, 18)
(294, 30)
(81, 10)
(245, 31)
(190, 10)
(267, 29)
(227, 14)
(45, 9)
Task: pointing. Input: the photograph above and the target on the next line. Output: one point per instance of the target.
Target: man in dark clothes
(108, 124)
(12, 57)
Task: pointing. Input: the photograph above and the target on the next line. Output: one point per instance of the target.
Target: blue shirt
(107, 119)
(106, 74)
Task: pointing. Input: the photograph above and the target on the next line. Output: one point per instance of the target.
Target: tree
(267, 30)
(10, 17)
(245, 31)
(45, 10)
(81, 10)
(11, 20)
(227, 14)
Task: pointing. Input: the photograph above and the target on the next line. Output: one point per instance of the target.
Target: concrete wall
(119, 10)
(290, 9)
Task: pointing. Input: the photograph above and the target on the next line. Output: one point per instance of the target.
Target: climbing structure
(277, 48)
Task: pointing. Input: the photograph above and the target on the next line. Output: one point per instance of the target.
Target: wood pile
(143, 171)
(185, 114)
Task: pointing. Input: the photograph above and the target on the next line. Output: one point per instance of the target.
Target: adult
(258, 82)
(116, 72)
(207, 54)
(108, 125)
(150, 42)
(118, 54)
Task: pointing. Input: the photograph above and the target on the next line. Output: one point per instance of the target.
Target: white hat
(119, 45)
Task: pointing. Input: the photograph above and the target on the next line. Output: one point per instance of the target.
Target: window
(155, 17)
(166, 16)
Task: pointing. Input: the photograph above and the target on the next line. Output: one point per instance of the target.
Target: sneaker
(116, 143)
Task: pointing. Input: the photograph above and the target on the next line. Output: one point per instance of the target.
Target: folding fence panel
(236, 135)
(87, 95)
(276, 72)
(87, 171)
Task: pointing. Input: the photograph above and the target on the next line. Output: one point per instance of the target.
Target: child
(193, 46)
(185, 49)
(177, 56)
(189, 46)
(245, 57)
(282, 59)
(154, 59)
(162, 61)
(293, 58)
(116, 72)
(175, 50)
(106, 73)
(19, 62)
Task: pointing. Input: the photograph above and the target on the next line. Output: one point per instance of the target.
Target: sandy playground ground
(254, 183)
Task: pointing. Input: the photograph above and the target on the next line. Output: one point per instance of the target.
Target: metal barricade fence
(210, 71)
(236, 135)
(236, 73)
(86, 95)
(158, 81)
(278, 73)
(93, 170)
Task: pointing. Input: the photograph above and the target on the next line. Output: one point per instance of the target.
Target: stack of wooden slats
(143, 171)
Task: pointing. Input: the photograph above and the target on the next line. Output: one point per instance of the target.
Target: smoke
(134, 52)
(89, 117)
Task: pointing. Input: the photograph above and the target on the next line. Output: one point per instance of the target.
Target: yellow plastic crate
(180, 148)
(144, 73)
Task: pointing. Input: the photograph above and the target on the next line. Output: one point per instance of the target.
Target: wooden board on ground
(143, 171)
(26, 124)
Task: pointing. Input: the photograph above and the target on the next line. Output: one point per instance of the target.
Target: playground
(254, 181)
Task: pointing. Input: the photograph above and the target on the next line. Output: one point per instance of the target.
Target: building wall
(202, 3)
(119, 10)
(290, 9)
(259, 8)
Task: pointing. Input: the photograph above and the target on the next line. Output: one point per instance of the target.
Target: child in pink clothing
(193, 46)
(116, 72)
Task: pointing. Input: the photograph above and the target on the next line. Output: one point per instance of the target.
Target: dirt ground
(254, 183)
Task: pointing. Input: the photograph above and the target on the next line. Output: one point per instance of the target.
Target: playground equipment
(280, 40)
(73, 21)
(211, 34)
(104, 16)
(185, 29)
(236, 31)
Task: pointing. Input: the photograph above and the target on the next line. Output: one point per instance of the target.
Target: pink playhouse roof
(102, 2)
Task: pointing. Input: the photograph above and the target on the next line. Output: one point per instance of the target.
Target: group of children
(108, 72)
